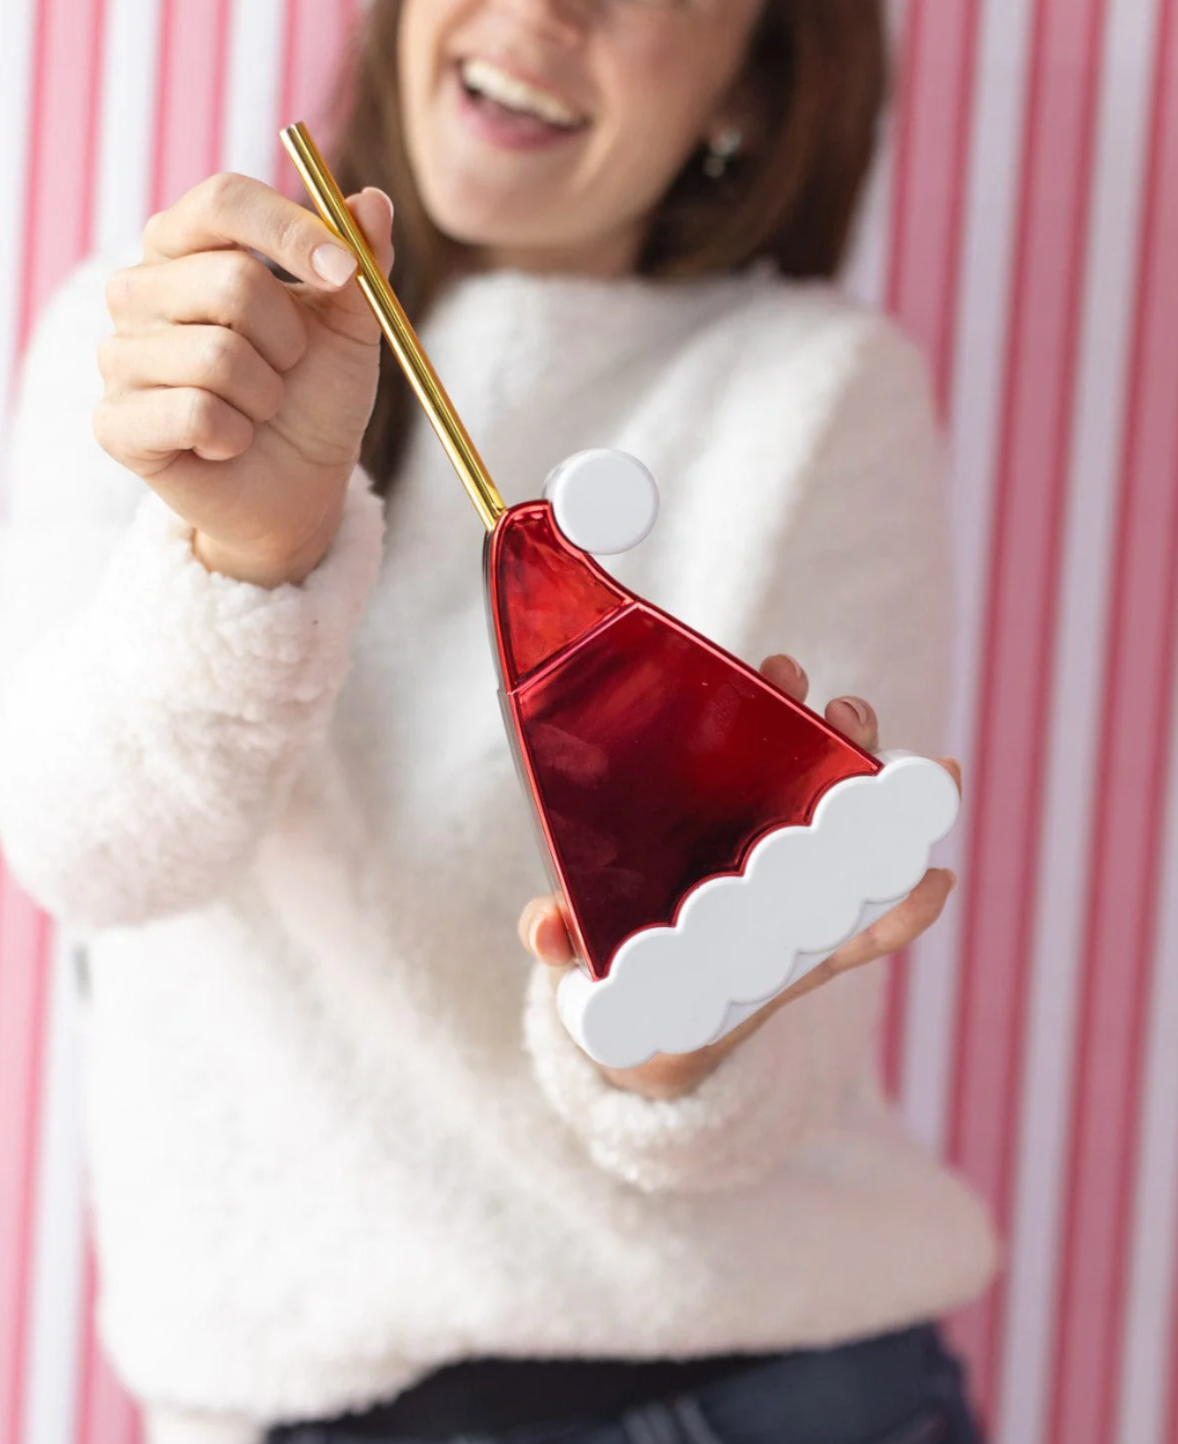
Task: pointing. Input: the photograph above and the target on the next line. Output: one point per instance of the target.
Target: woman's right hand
(240, 399)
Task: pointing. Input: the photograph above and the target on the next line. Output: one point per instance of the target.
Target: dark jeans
(903, 1388)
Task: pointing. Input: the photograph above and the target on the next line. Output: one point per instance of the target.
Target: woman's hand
(667, 1075)
(240, 399)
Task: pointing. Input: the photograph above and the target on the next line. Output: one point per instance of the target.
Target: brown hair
(817, 78)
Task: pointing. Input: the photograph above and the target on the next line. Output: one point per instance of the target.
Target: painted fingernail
(333, 263)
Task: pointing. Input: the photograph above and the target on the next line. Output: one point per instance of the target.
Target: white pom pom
(605, 502)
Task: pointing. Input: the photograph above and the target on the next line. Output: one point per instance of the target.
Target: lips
(513, 90)
(510, 109)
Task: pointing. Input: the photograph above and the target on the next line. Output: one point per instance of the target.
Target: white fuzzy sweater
(338, 1135)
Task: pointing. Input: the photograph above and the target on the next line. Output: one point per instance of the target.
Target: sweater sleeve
(857, 588)
(152, 713)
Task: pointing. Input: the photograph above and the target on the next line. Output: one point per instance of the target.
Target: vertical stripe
(317, 32)
(1150, 1337)
(1073, 737)
(57, 1264)
(1057, 490)
(977, 371)
(189, 96)
(932, 142)
(1127, 831)
(126, 137)
(24, 943)
(1017, 659)
(62, 154)
(17, 35)
(937, 72)
(865, 277)
(254, 78)
(128, 151)
(316, 36)
(21, 972)
(105, 1414)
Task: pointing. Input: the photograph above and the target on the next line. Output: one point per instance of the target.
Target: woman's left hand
(667, 1075)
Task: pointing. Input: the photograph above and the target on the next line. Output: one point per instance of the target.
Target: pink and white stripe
(1024, 226)
(116, 107)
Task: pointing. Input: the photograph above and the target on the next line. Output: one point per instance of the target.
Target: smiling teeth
(516, 94)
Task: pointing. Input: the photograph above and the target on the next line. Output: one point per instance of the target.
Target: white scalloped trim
(740, 940)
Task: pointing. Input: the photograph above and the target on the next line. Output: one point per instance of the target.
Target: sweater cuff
(728, 1132)
(195, 638)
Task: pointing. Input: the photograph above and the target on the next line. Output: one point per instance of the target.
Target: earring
(721, 151)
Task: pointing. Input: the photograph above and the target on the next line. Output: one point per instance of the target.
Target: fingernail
(333, 263)
(859, 709)
(798, 670)
(534, 936)
(388, 200)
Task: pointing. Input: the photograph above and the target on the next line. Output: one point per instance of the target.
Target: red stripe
(62, 152)
(190, 96)
(1129, 818)
(218, 80)
(1018, 658)
(314, 45)
(292, 49)
(933, 130)
(87, 1351)
(166, 45)
(24, 967)
(288, 112)
(933, 133)
(317, 38)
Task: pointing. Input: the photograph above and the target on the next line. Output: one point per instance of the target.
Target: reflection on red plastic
(545, 595)
(654, 758)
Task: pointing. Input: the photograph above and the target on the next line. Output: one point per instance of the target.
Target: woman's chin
(491, 229)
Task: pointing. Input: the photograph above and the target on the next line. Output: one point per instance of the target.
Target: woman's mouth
(508, 111)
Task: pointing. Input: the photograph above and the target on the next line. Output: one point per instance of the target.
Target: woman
(351, 1178)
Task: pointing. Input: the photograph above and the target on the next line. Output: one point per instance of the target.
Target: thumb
(542, 932)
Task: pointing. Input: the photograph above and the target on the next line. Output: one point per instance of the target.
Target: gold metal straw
(323, 190)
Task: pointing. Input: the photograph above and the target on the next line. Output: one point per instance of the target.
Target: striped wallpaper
(1024, 225)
